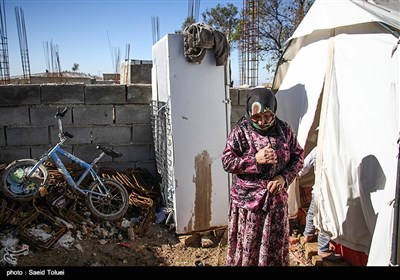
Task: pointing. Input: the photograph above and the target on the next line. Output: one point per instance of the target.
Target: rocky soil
(159, 246)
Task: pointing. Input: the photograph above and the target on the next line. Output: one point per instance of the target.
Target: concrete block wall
(141, 74)
(238, 103)
(118, 116)
(115, 115)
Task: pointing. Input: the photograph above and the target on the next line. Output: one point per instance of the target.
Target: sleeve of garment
(234, 157)
(295, 164)
(309, 162)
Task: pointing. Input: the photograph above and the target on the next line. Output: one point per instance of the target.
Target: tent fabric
(352, 15)
(342, 74)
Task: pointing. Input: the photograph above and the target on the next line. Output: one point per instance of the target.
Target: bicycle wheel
(110, 207)
(15, 183)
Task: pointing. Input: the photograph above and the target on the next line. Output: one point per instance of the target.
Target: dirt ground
(158, 246)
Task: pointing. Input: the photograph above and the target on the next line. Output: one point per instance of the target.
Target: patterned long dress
(258, 226)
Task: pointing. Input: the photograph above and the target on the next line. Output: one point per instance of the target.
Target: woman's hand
(276, 184)
(266, 155)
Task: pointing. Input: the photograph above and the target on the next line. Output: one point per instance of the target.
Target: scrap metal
(63, 203)
(42, 216)
(9, 255)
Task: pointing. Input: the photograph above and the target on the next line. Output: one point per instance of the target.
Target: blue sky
(89, 32)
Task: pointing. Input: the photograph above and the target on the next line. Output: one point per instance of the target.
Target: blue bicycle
(25, 179)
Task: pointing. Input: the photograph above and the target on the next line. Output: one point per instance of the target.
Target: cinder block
(7, 155)
(27, 136)
(82, 135)
(243, 96)
(141, 73)
(232, 125)
(139, 94)
(62, 94)
(19, 95)
(148, 165)
(234, 96)
(14, 115)
(101, 114)
(236, 113)
(139, 152)
(46, 115)
(142, 133)
(105, 94)
(111, 135)
(133, 114)
(88, 153)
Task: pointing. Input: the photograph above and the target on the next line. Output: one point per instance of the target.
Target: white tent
(340, 71)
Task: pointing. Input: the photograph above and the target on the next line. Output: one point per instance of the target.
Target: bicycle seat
(109, 152)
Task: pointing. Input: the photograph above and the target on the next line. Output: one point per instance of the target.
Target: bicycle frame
(25, 179)
(54, 152)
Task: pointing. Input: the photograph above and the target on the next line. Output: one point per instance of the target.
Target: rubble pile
(60, 216)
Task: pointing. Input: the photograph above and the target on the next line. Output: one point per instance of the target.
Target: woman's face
(264, 120)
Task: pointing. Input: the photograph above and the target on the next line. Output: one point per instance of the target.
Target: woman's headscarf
(258, 101)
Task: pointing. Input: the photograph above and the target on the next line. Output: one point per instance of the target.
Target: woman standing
(264, 156)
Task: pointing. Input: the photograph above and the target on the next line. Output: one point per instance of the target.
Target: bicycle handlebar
(109, 152)
(62, 113)
(63, 134)
(68, 134)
